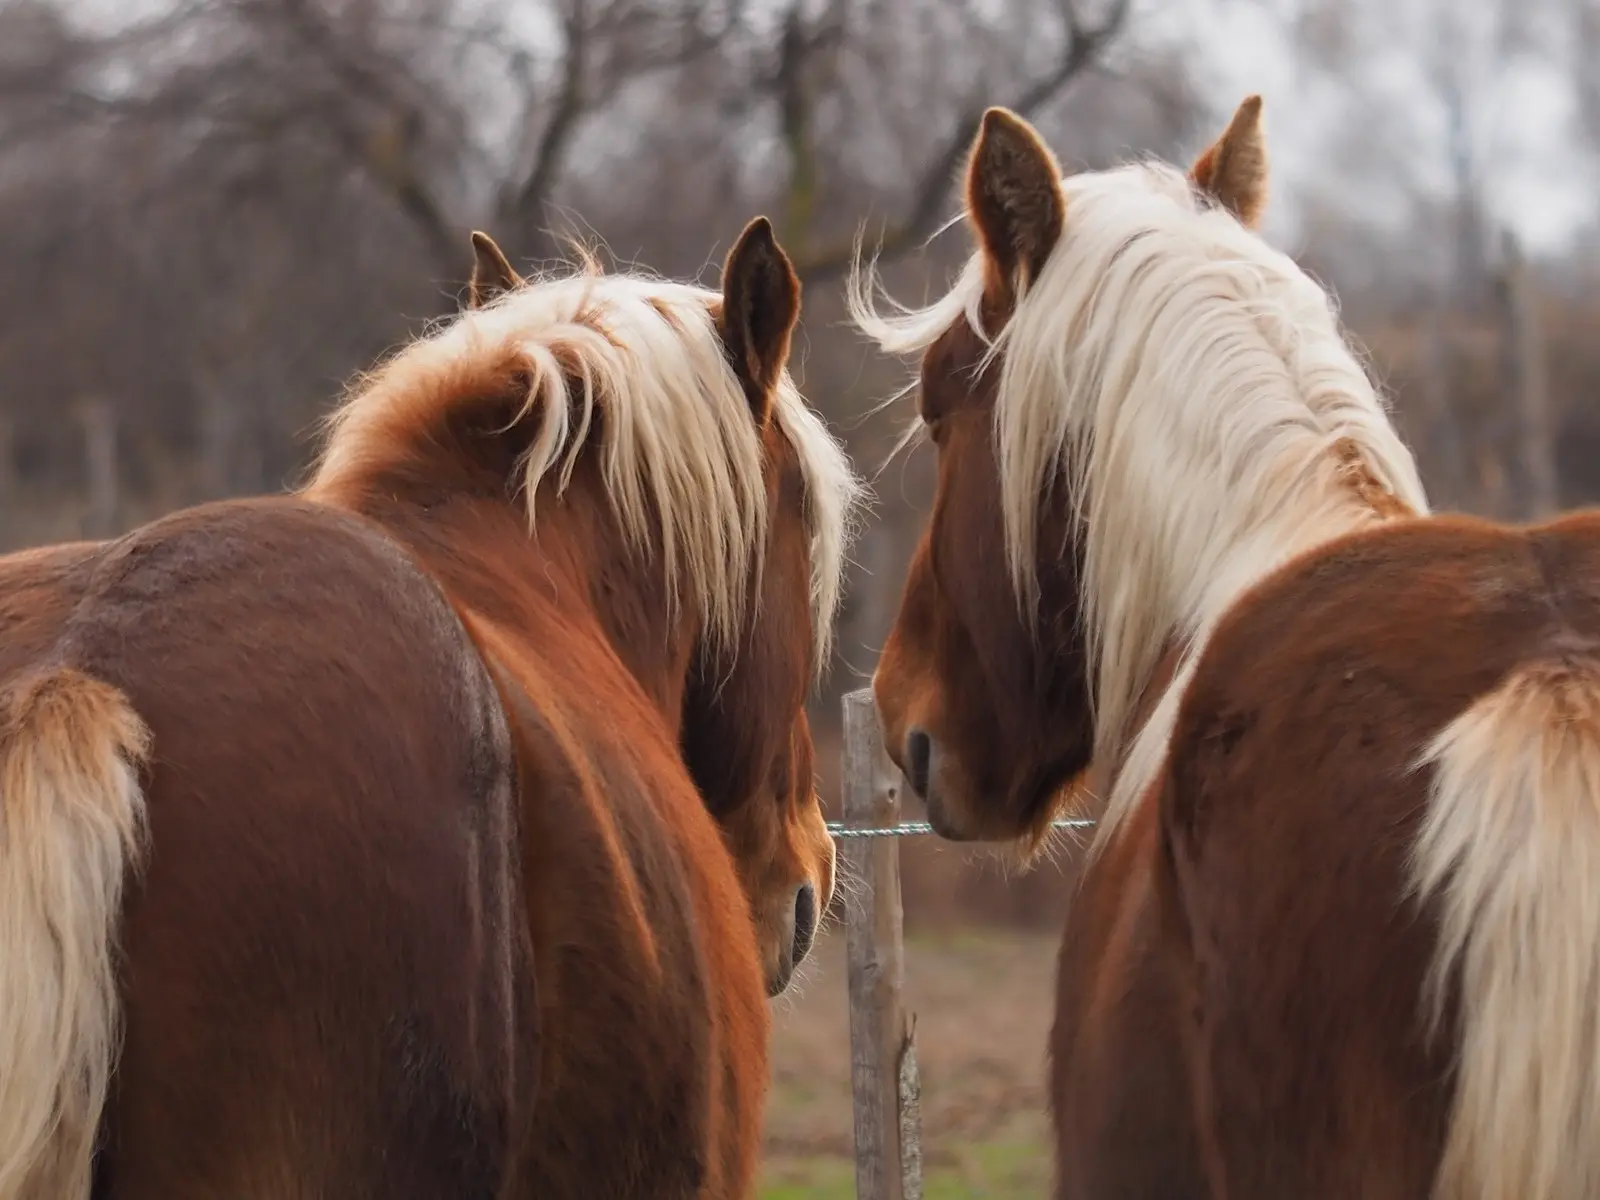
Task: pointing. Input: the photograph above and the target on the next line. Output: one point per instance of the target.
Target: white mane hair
(681, 455)
(1192, 388)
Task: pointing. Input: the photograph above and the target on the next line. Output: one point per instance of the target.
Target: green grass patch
(1000, 1170)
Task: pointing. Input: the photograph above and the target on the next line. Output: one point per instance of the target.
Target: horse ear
(491, 273)
(760, 306)
(1014, 196)
(1233, 170)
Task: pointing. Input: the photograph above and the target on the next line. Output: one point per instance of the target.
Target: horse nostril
(805, 922)
(919, 756)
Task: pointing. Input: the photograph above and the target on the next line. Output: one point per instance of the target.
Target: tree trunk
(1534, 486)
(103, 518)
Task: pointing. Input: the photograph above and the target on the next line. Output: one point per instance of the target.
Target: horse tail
(72, 820)
(1509, 851)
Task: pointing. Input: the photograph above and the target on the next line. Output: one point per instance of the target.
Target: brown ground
(982, 1001)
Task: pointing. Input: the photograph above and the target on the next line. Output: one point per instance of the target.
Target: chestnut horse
(439, 830)
(1338, 934)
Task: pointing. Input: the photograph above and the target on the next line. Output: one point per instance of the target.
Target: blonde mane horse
(1339, 932)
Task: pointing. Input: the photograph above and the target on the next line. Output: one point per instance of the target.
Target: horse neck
(554, 596)
(1346, 498)
(1350, 499)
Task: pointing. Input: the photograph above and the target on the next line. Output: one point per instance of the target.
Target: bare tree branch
(392, 157)
(1081, 51)
(798, 47)
(521, 207)
(623, 33)
(390, 151)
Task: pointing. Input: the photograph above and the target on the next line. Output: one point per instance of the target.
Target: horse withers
(1338, 933)
(440, 829)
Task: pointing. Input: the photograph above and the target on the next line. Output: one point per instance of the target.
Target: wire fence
(839, 829)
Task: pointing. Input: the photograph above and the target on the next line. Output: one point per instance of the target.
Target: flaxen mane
(681, 457)
(1163, 341)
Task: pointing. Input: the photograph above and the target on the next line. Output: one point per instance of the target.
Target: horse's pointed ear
(491, 273)
(760, 306)
(1233, 169)
(1014, 196)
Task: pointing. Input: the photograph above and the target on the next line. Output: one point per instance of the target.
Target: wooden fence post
(883, 1048)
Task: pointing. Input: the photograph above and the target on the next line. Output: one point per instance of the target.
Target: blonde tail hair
(1510, 854)
(72, 821)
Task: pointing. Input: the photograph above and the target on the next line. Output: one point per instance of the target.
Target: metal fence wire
(921, 828)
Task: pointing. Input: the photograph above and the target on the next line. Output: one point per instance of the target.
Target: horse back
(1291, 812)
(325, 977)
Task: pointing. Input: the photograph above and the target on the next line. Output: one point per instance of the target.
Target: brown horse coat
(1297, 998)
(382, 804)
(323, 949)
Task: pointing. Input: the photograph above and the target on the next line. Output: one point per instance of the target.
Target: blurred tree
(223, 207)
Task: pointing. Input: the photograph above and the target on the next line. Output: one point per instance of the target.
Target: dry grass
(983, 1005)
